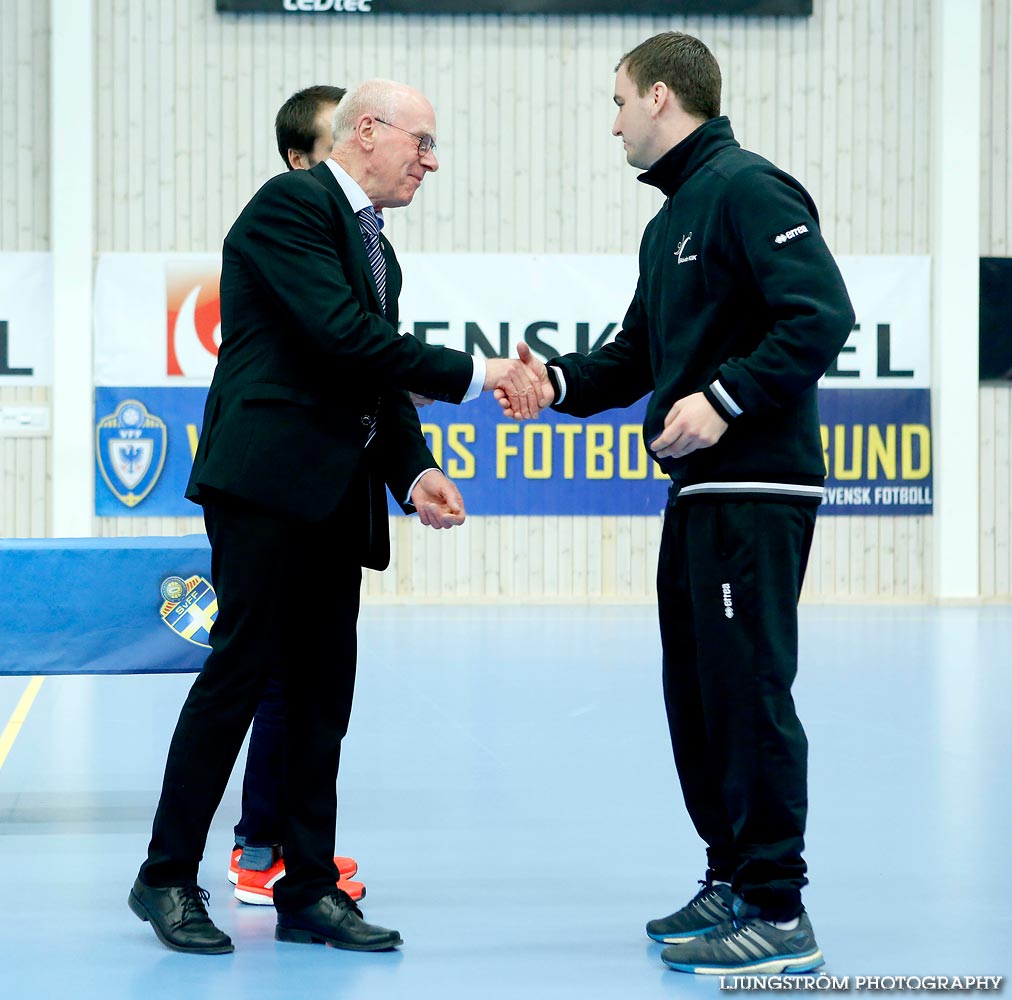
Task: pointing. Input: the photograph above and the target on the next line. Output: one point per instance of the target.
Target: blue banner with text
(877, 445)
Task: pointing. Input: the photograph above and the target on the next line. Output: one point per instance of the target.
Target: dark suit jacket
(307, 359)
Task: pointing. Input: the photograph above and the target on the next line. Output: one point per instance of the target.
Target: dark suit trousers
(728, 582)
(288, 599)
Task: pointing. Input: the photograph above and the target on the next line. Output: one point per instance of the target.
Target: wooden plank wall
(25, 152)
(24, 126)
(996, 241)
(185, 105)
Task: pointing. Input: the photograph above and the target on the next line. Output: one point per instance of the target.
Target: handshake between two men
(522, 387)
(523, 390)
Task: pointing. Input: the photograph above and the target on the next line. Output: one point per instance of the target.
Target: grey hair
(378, 98)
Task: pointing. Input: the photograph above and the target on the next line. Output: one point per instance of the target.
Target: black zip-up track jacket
(739, 298)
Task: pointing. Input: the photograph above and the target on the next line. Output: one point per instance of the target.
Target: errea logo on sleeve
(780, 240)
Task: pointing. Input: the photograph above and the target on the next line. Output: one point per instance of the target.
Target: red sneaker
(346, 867)
(354, 889)
(258, 887)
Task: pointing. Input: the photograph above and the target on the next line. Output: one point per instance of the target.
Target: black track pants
(728, 583)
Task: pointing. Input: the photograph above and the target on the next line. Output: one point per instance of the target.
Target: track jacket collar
(680, 162)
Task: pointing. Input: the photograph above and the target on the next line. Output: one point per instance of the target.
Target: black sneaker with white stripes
(747, 944)
(709, 908)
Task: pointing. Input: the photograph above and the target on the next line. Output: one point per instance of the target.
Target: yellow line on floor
(13, 727)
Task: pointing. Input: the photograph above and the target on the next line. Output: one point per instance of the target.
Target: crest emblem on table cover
(190, 608)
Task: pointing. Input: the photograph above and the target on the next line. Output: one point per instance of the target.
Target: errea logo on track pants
(725, 589)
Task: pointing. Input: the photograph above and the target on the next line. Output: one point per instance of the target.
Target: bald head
(374, 97)
(377, 132)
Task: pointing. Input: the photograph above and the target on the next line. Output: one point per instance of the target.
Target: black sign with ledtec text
(788, 8)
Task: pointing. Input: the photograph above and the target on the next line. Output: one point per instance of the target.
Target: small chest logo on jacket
(680, 252)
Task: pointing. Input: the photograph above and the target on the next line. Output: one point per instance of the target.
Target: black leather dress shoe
(337, 921)
(179, 917)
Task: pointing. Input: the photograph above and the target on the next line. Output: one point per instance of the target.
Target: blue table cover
(105, 605)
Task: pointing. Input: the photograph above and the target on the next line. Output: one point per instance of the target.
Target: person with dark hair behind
(304, 128)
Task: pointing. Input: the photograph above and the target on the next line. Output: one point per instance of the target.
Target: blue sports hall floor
(508, 792)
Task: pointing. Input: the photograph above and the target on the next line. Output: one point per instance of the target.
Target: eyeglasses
(426, 144)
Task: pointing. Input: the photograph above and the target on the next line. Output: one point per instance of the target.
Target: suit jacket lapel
(356, 243)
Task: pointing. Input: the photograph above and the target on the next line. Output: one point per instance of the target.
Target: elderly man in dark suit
(308, 420)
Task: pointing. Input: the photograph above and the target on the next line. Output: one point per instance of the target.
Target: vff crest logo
(189, 608)
(130, 447)
(193, 317)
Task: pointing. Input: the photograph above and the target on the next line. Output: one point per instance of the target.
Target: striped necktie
(369, 225)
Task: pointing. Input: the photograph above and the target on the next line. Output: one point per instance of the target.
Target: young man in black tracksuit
(739, 310)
